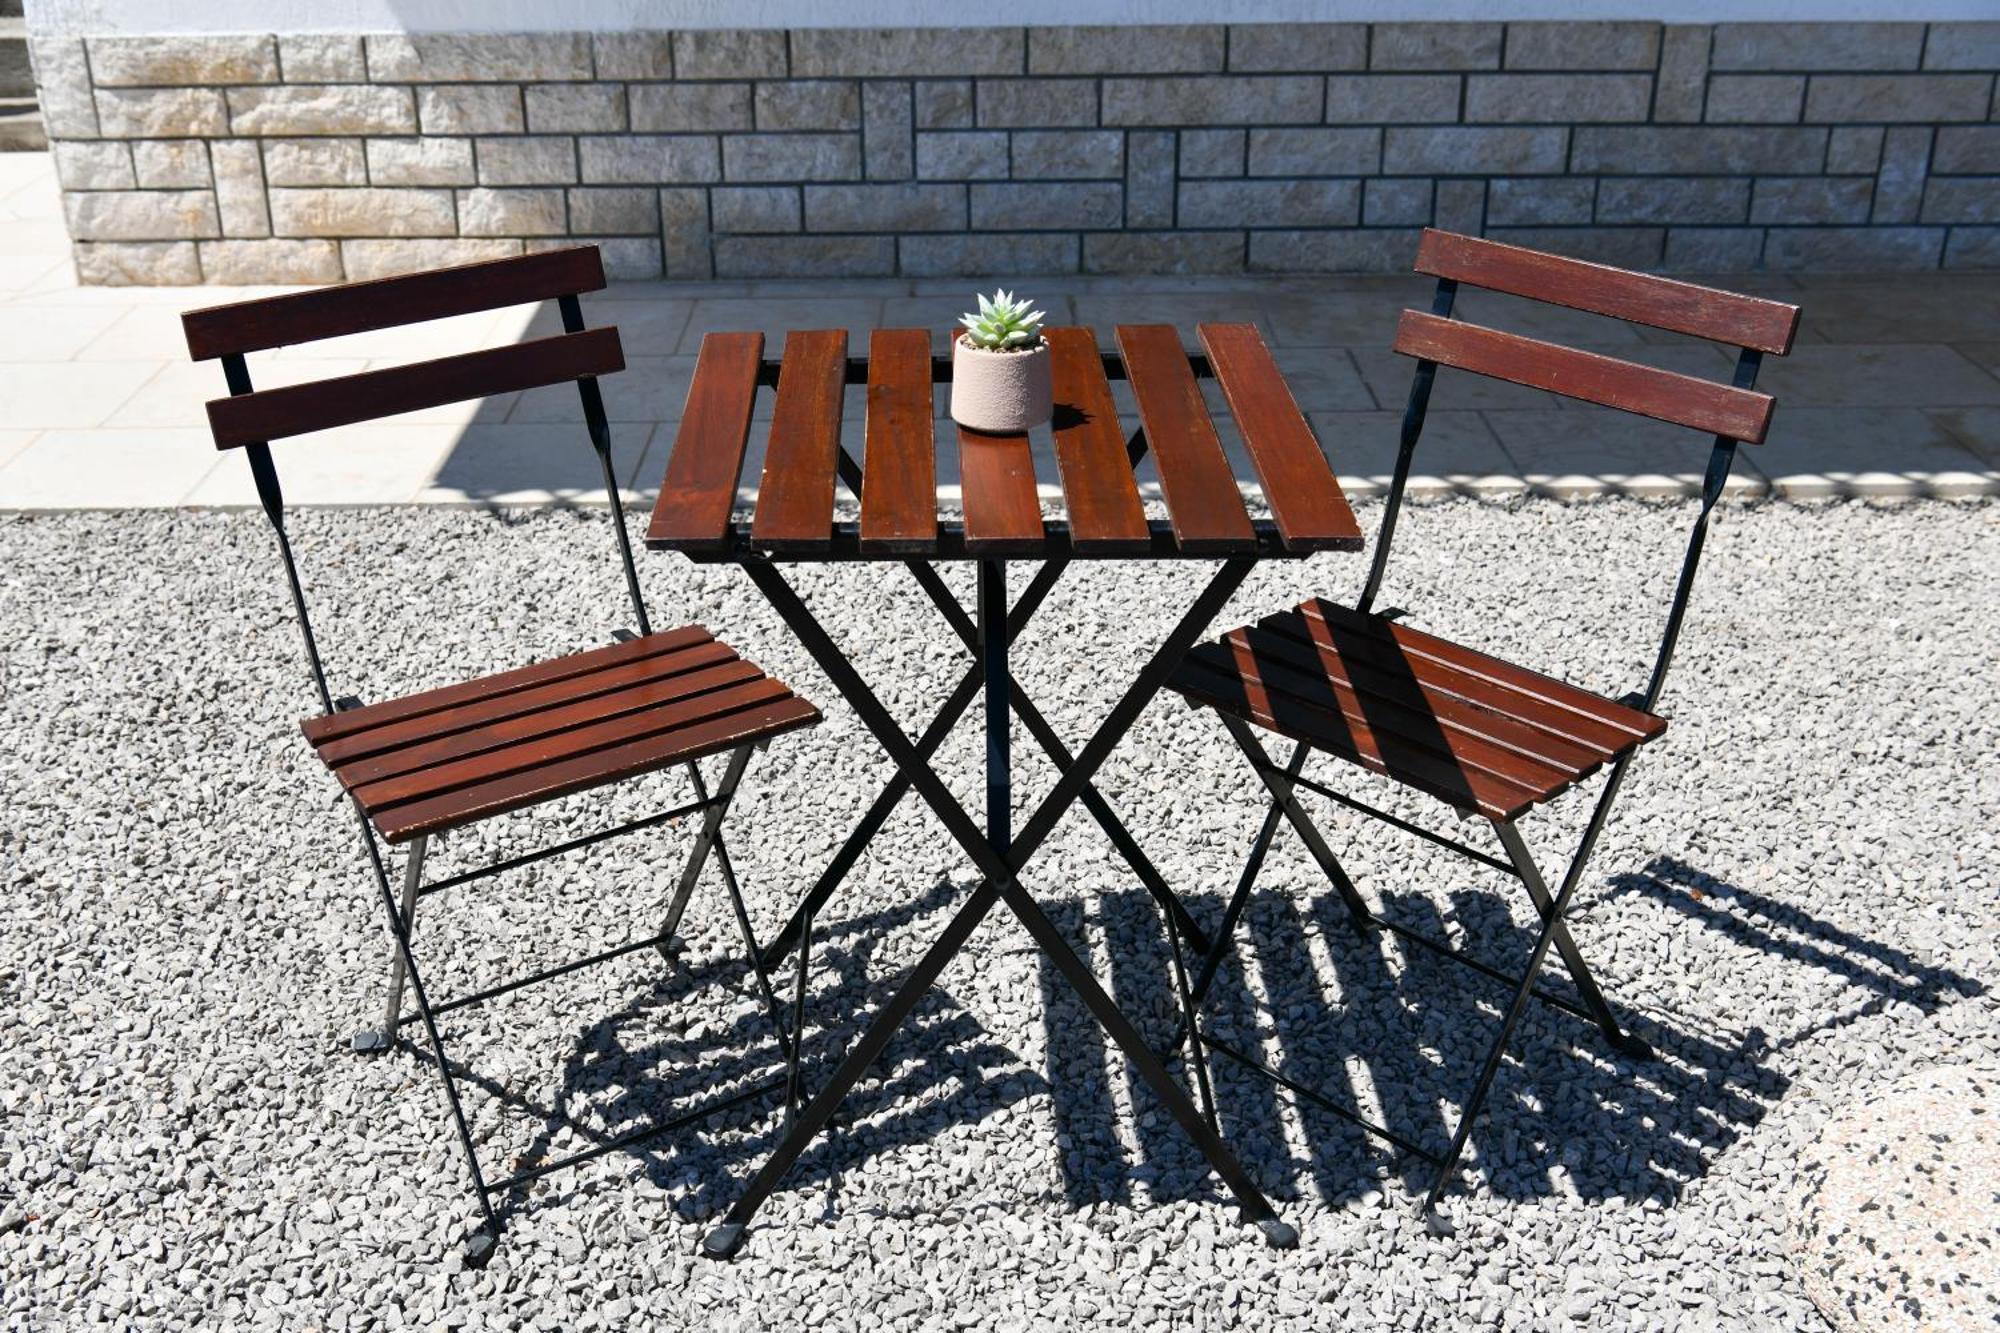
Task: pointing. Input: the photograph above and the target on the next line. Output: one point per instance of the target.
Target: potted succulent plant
(1000, 368)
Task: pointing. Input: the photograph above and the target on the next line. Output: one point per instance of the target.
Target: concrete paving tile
(650, 388)
(1977, 428)
(1359, 317)
(178, 394)
(1388, 374)
(1587, 450)
(20, 274)
(35, 332)
(1459, 453)
(1184, 311)
(1324, 379)
(1535, 319)
(68, 394)
(1880, 375)
(107, 469)
(13, 442)
(373, 464)
(1926, 308)
(530, 464)
(773, 317)
(1826, 451)
(1984, 355)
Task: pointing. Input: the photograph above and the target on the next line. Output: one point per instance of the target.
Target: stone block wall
(1186, 149)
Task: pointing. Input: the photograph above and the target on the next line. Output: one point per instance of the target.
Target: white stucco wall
(105, 17)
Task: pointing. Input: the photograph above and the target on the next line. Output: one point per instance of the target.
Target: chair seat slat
(1100, 490)
(1203, 503)
(795, 497)
(692, 512)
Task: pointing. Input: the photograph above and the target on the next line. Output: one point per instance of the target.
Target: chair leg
(375, 1041)
(1278, 781)
(711, 835)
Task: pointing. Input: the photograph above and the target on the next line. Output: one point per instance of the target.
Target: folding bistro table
(1002, 520)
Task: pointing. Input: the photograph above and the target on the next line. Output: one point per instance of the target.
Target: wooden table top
(1102, 515)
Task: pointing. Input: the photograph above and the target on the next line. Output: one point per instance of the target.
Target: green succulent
(1003, 322)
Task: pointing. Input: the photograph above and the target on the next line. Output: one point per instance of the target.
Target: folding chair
(1488, 738)
(417, 766)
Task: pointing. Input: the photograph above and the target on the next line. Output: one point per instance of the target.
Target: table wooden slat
(1003, 513)
(795, 497)
(899, 458)
(692, 512)
(1203, 503)
(1299, 485)
(1100, 490)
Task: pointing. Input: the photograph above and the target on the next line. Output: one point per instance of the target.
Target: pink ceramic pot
(1001, 392)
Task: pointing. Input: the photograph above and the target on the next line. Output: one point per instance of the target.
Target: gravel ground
(1796, 900)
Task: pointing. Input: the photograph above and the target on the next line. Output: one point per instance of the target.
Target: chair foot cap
(724, 1241)
(479, 1247)
(370, 1042)
(1632, 1048)
(1279, 1235)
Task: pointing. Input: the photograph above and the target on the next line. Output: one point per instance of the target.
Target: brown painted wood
(319, 730)
(358, 307)
(1003, 511)
(899, 448)
(1100, 491)
(1703, 405)
(1299, 484)
(1662, 303)
(795, 497)
(692, 513)
(299, 409)
(1203, 503)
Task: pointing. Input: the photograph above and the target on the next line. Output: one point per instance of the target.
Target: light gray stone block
(1540, 98)
(1854, 149)
(1027, 206)
(1387, 250)
(1852, 248)
(470, 110)
(1812, 200)
(239, 187)
(322, 108)
(1212, 153)
(678, 108)
(160, 113)
(256, 263)
(964, 155)
(633, 55)
(804, 256)
(1776, 151)
(1899, 181)
(614, 211)
(791, 157)
(649, 159)
(1714, 249)
(575, 108)
(756, 208)
(1625, 247)
(1818, 46)
(62, 83)
(489, 212)
(432, 160)
(809, 104)
(94, 166)
(1374, 99)
(362, 212)
(1579, 44)
(724, 53)
(1963, 46)
(1031, 103)
(1270, 48)
(452, 57)
(685, 249)
(1755, 99)
(986, 253)
(176, 62)
(1473, 150)
(944, 104)
(1126, 49)
(886, 118)
(1461, 207)
(900, 207)
(1967, 149)
(1149, 179)
(315, 162)
(1315, 152)
(322, 57)
(526, 161)
(141, 215)
(1961, 200)
(1297, 203)
(1673, 199)
(1435, 46)
(1396, 202)
(891, 53)
(381, 257)
(1973, 247)
(136, 264)
(1164, 253)
(1229, 99)
(1683, 77)
(1070, 154)
(1541, 201)
(1899, 97)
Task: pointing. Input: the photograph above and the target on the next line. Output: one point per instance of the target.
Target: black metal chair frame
(1284, 782)
(711, 806)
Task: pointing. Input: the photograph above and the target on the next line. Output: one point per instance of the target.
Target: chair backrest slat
(1662, 303)
(1685, 400)
(276, 414)
(359, 307)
